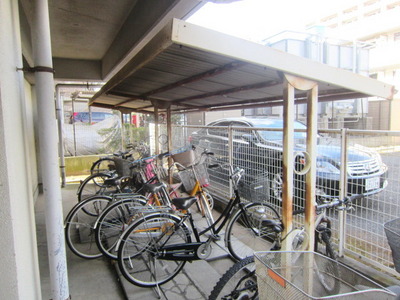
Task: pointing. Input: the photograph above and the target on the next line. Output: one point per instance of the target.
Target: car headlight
(326, 167)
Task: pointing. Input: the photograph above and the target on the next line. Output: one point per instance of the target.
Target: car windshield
(276, 135)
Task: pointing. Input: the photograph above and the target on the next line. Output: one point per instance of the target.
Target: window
(219, 131)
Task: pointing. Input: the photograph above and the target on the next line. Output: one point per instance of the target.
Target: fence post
(343, 190)
(73, 124)
(230, 156)
(122, 131)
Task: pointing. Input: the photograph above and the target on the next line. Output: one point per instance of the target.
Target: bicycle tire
(95, 185)
(330, 283)
(239, 282)
(140, 245)
(325, 237)
(79, 226)
(209, 198)
(113, 221)
(247, 233)
(103, 165)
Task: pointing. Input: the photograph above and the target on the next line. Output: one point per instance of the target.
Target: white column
(48, 144)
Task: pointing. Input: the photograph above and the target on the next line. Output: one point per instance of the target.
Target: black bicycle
(155, 248)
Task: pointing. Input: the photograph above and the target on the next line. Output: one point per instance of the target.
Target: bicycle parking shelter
(187, 68)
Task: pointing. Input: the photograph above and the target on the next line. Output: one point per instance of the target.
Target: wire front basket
(297, 275)
(186, 158)
(392, 230)
(189, 180)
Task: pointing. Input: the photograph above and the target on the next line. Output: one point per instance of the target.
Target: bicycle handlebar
(143, 160)
(334, 203)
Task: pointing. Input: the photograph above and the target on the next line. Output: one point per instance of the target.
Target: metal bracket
(37, 69)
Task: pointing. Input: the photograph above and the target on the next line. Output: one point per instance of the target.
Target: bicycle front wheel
(141, 248)
(112, 223)
(246, 232)
(330, 267)
(239, 282)
(79, 226)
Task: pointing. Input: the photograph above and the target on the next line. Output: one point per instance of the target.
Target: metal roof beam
(228, 67)
(255, 86)
(275, 101)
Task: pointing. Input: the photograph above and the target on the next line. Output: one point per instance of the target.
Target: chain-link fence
(371, 171)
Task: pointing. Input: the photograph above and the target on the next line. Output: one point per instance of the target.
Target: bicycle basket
(298, 275)
(188, 178)
(186, 158)
(123, 167)
(392, 231)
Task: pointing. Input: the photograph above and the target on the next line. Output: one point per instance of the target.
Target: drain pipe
(49, 150)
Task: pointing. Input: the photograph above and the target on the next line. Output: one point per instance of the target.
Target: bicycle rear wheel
(246, 232)
(79, 226)
(112, 223)
(140, 249)
(95, 185)
(103, 165)
(239, 282)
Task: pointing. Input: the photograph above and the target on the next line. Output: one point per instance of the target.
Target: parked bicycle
(114, 220)
(80, 221)
(240, 281)
(107, 163)
(155, 247)
(128, 178)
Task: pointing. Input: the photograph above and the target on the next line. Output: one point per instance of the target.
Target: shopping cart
(297, 275)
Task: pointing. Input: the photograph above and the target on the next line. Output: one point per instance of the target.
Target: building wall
(215, 115)
(374, 22)
(19, 259)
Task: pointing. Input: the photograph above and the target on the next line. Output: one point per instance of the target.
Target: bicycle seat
(153, 187)
(184, 203)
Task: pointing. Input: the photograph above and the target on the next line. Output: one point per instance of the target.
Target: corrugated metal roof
(189, 68)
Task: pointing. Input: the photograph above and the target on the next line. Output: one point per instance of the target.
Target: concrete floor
(99, 279)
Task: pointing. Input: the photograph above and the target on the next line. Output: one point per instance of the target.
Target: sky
(258, 19)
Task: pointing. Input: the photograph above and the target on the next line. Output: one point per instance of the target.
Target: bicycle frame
(190, 251)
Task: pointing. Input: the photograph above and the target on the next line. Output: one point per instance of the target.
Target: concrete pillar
(48, 143)
(19, 258)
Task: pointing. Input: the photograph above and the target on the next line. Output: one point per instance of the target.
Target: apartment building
(376, 23)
